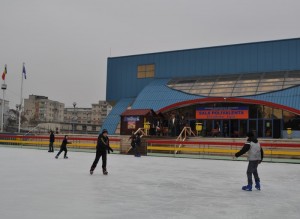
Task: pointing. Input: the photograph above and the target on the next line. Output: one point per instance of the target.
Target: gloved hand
(259, 162)
(111, 150)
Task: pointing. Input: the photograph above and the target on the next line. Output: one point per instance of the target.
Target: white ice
(35, 185)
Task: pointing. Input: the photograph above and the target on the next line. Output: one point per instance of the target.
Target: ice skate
(105, 172)
(247, 188)
(65, 157)
(91, 172)
(257, 185)
(56, 157)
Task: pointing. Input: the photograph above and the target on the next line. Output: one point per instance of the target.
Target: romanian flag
(4, 73)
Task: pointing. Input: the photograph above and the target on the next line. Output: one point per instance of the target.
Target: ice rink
(34, 185)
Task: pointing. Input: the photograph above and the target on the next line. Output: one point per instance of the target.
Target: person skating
(255, 157)
(102, 148)
(63, 147)
(137, 145)
(51, 141)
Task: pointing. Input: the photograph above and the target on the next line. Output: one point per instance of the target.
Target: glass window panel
(277, 113)
(221, 90)
(150, 74)
(272, 80)
(150, 67)
(271, 84)
(228, 83)
(204, 83)
(141, 68)
(141, 75)
(269, 88)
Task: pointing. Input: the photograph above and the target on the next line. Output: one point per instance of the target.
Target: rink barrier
(221, 148)
(43, 141)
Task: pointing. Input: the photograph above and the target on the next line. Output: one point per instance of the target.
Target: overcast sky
(65, 43)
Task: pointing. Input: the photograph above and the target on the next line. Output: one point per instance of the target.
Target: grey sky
(65, 43)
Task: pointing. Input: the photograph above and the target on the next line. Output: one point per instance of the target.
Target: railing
(42, 141)
(273, 151)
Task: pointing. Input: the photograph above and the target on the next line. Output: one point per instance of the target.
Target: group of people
(252, 147)
(102, 149)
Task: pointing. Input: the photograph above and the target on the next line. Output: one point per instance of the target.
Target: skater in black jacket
(255, 157)
(137, 145)
(51, 141)
(63, 147)
(102, 149)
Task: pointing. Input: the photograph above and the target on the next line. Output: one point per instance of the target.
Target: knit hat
(250, 134)
(104, 131)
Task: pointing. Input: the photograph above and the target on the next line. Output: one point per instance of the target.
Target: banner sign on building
(222, 113)
(131, 118)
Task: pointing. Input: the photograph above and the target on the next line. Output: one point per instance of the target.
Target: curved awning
(227, 100)
(237, 85)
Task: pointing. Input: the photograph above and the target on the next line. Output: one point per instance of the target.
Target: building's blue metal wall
(242, 58)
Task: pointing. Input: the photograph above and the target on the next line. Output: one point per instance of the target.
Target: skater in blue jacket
(255, 157)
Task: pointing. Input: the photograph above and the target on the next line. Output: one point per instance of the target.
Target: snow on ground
(35, 185)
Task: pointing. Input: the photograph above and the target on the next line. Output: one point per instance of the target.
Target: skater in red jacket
(255, 157)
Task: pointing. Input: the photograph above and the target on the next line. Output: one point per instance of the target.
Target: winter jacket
(52, 137)
(255, 152)
(64, 143)
(103, 143)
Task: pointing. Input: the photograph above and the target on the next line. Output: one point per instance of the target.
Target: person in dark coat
(137, 145)
(63, 147)
(255, 157)
(51, 141)
(102, 149)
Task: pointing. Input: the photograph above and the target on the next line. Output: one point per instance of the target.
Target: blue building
(261, 80)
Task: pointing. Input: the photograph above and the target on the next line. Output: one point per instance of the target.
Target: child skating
(255, 157)
(102, 149)
(63, 147)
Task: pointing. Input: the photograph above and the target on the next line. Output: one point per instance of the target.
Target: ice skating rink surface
(34, 185)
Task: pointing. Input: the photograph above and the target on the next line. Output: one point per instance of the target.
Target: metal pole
(3, 87)
(21, 101)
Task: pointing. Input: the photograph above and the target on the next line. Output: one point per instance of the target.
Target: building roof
(137, 112)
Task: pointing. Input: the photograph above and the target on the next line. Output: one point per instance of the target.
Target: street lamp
(74, 105)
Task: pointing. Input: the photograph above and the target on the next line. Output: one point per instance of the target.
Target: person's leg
(49, 147)
(256, 177)
(94, 165)
(66, 151)
(249, 176)
(250, 170)
(61, 150)
(104, 158)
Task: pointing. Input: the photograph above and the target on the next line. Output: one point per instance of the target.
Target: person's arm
(243, 150)
(262, 155)
(109, 149)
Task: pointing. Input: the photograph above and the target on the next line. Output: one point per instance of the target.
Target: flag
(4, 73)
(24, 71)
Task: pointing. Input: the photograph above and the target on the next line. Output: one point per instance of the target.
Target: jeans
(252, 169)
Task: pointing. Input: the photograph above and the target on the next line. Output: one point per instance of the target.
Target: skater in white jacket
(255, 157)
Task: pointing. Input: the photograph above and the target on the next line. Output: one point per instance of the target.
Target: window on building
(146, 71)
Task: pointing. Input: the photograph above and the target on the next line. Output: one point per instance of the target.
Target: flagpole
(3, 87)
(21, 100)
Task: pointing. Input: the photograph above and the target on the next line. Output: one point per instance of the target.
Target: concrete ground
(35, 185)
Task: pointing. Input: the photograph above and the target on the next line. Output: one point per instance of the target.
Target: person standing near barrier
(51, 141)
(255, 157)
(63, 147)
(102, 148)
(137, 141)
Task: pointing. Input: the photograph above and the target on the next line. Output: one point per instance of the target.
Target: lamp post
(74, 105)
